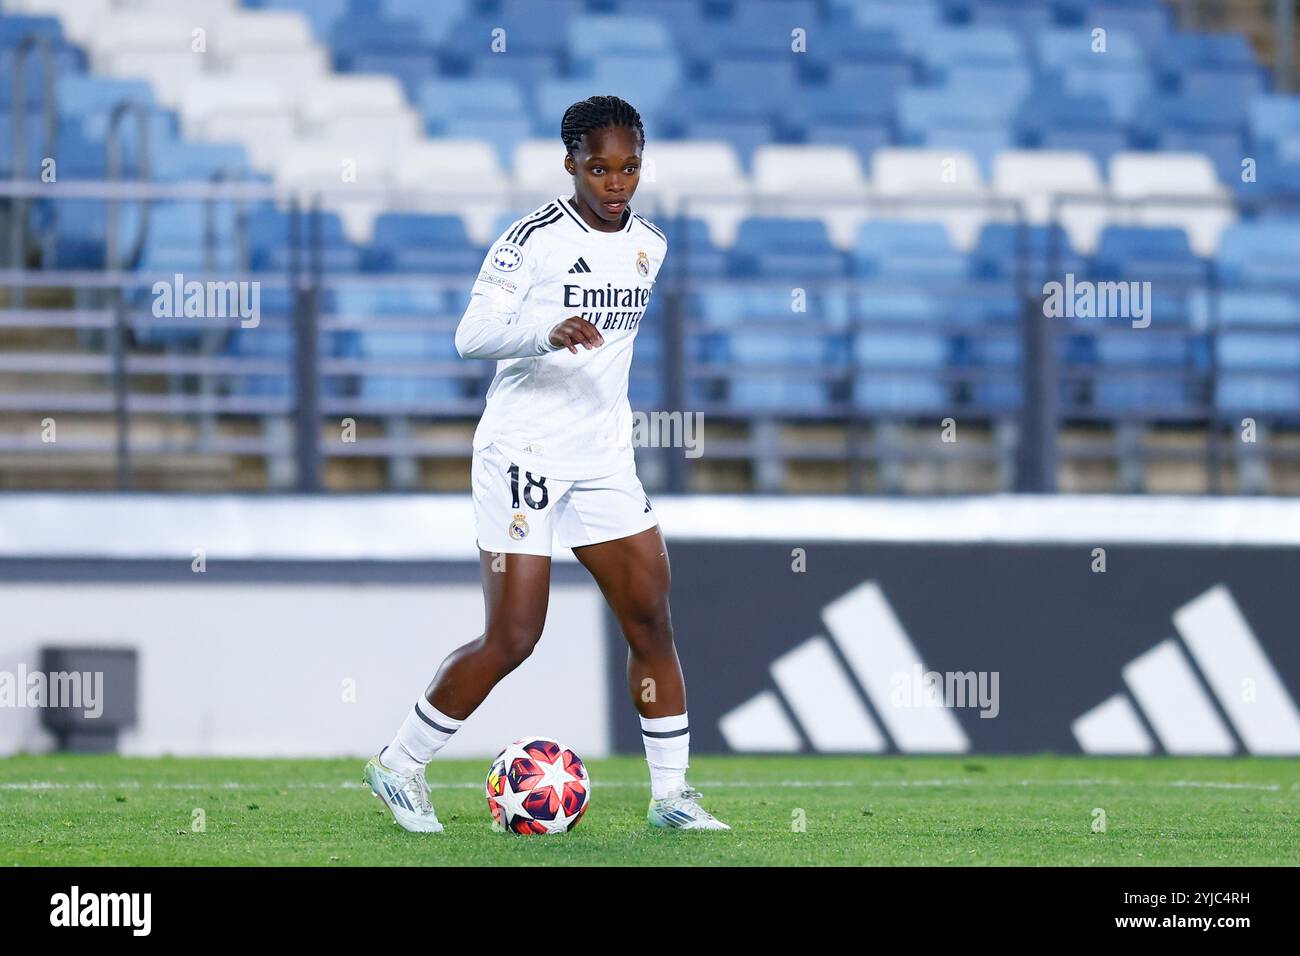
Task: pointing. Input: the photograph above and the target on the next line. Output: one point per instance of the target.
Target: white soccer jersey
(555, 413)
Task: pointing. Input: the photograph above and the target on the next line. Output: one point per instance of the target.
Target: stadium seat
(410, 242)
(456, 176)
(932, 175)
(1135, 253)
(701, 179)
(779, 248)
(1204, 216)
(829, 177)
(1260, 252)
(905, 249)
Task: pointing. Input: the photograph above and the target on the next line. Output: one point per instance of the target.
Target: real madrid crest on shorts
(507, 257)
(642, 263)
(519, 527)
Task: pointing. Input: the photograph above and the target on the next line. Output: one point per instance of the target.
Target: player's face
(606, 169)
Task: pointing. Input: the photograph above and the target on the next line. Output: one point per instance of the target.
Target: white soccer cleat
(681, 810)
(407, 797)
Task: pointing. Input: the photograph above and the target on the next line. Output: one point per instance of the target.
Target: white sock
(425, 731)
(667, 750)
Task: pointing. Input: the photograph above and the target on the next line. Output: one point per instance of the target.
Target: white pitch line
(36, 785)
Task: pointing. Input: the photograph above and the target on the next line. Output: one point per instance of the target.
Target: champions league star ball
(537, 785)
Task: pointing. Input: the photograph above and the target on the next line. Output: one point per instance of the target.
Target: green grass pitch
(92, 810)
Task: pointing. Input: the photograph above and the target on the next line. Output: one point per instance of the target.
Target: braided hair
(597, 112)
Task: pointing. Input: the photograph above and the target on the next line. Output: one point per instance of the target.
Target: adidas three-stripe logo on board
(1213, 692)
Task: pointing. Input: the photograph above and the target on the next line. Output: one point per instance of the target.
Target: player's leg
(516, 577)
(634, 575)
(516, 590)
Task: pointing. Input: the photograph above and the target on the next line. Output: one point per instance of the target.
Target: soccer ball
(537, 785)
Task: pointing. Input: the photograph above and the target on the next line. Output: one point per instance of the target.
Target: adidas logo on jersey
(580, 265)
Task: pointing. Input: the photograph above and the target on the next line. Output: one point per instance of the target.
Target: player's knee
(648, 627)
(512, 644)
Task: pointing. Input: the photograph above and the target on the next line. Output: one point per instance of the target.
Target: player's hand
(575, 331)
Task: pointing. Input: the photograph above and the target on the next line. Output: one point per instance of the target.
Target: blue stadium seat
(592, 37)
(691, 250)
(914, 21)
(442, 99)
(778, 248)
(1181, 51)
(321, 14)
(1260, 252)
(894, 360)
(915, 250)
(1124, 89)
(835, 103)
(1254, 395)
(361, 300)
(1149, 24)
(1134, 393)
(899, 393)
(771, 392)
(949, 47)
(15, 29)
(1274, 115)
(182, 160)
(413, 242)
(1245, 307)
(1140, 254)
(66, 61)
(1051, 118)
(834, 47)
(1066, 47)
(270, 239)
(435, 20)
(1041, 251)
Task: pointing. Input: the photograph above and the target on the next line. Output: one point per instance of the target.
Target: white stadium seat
(241, 31)
(314, 165)
(828, 180)
(1183, 175)
(369, 110)
(467, 176)
(703, 178)
(1034, 176)
(169, 74)
(296, 71)
(538, 170)
(260, 116)
(934, 175)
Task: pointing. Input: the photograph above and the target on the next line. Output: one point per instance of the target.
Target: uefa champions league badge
(519, 528)
(642, 263)
(507, 257)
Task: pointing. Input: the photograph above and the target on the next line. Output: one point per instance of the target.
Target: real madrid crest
(519, 527)
(642, 263)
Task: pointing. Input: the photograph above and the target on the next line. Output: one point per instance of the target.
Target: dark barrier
(902, 648)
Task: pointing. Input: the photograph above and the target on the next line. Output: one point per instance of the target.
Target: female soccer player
(558, 302)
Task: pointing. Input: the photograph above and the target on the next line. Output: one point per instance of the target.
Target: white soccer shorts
(518, 512)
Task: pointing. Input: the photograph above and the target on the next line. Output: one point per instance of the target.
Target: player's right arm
(491, 327)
